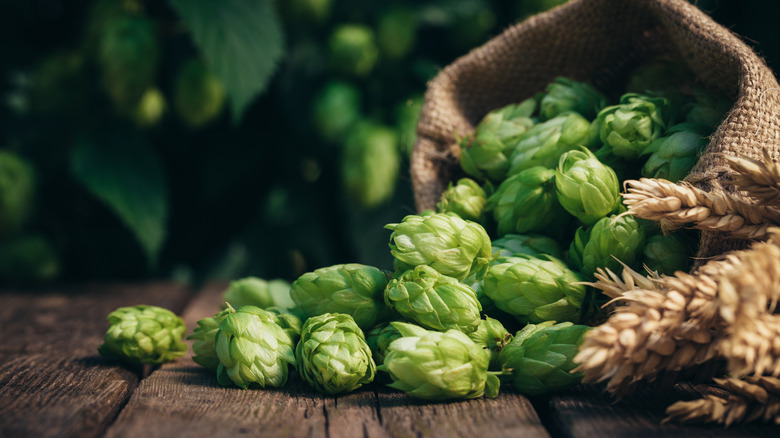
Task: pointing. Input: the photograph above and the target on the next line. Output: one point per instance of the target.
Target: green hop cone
(128, 57)
(353, 49)
(541, 357)
(379, 338)
(672, 157)
(669, 254)
(466, 199)
(438, 365)
(609, 242)
(661, 74)
(396, 31)
(564, 95)
(585, 187)
(407, 116)
(453, 246)
(333, 356)
(17, 192)
(526, 202)
(630, 127)
(253, 291)
(290, 320)
(512, 245)
(433, 300)
(336, 109)
(707, 111)
(535, 289)
(198, 94)
(486, 155)
(253, 349)
(492, 336)
(352, 289)
(370, 161)
(144, 334)
(150, 108)
(544, 143)
(205, 337)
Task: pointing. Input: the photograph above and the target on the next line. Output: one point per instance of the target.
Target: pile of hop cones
(725, 310)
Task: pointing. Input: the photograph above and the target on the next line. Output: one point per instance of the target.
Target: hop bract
(351, 288)
(564, 95)
(333, 356)
(466, 199)
(144, 334)
(205, 337)
(512, 245)
(253, 349)
(492, 336)
(451, 245)
(486, 155)
(535, 289)
(526, 202)
(434, 300)
(609, 242)
(438, 366)
(585, 187)
(672, 157)
(541, 357)
(630, 127)
(379, 338)
(544, 143)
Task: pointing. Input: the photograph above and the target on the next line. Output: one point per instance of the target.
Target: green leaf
(241, 40)
(127, 175)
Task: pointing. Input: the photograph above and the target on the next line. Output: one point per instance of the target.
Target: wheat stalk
(745, 400)
(759, 178)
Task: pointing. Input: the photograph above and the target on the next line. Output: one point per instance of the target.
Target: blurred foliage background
(205, 139)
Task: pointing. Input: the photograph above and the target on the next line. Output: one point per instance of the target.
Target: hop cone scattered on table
(253, 349)
(351, 288)
(445, 242)
(254, 291)
(379, 338)
(492, 336)
(204, 336)
(541, 357)
(333, 356)
(438, 365)
(434, 300)
(144, 334)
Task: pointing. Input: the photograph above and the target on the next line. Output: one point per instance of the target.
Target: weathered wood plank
(52, 380)
(182, 398)
(588, 412)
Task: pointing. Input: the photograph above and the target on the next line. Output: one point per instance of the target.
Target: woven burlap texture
(600, 41)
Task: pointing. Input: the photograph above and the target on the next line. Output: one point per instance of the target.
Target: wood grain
(52, 381)
(184, 399)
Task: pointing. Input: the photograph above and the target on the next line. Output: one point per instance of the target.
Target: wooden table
(53, 383)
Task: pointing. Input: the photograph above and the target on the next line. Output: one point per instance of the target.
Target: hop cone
(352, 288)
(353, 49)
(451, 245)
(290, 320)
(17, 190)
(610, 241)
(543, 144)
(379, 338)
(672, 157)
(333, 356)
(438, 366)
(198, 94)
(370, 161)
(512, 245)
(336, 110)
(535, 289)
(564, 95)
(144, 334)
(630, 127)
(407, 114)
(526, 202)
(434, 300)
(707, 111)
(466, 199)
(253, 349)
(541, 357)
(585, 187)
(205, 337)
(253, 291)
(668, 254)
(486, 156)
(492, 336)
(397, 31)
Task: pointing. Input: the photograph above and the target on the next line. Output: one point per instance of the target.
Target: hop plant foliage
(370, 162)
(144, 334)
(198, 95)
(333, 356)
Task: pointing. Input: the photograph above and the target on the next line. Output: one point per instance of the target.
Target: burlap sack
(600, 41)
